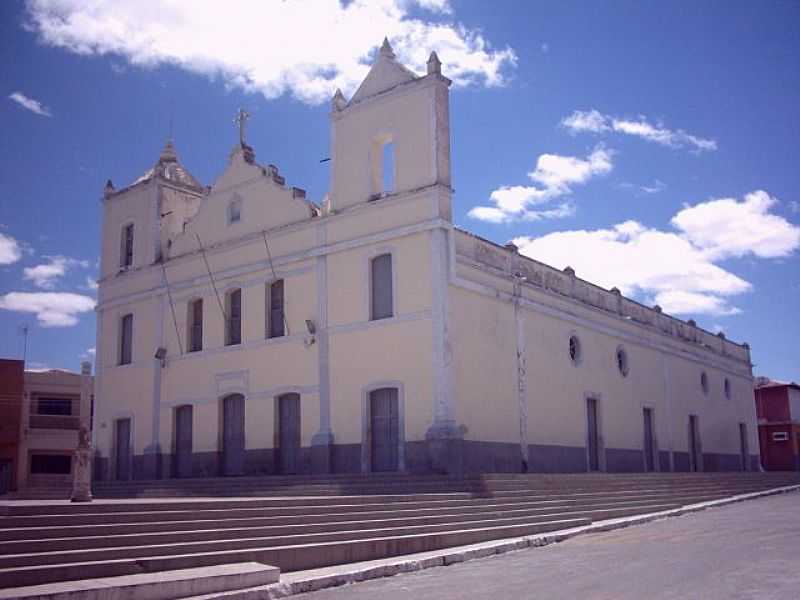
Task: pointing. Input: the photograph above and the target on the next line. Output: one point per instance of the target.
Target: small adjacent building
(12, 374)
(39, 423)
(778, 412)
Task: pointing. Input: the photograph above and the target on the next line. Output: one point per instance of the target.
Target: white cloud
(675, 269)
(30, 104)
(794, 206)
(46, 274)
(307, 49)
(724, 227)
(594, 121)
(589, 120)
(555, 176)
(10, 250)
(52, 309)
(91, 283)
(654, 188)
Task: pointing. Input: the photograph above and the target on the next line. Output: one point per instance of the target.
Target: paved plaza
(745, 550)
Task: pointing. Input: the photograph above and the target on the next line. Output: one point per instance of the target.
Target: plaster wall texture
(477, 344)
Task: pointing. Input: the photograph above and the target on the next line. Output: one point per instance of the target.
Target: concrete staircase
(298, 523)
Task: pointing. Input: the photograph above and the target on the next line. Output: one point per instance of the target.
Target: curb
(317, 579)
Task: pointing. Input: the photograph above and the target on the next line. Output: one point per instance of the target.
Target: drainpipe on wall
(668, 405)
(522, 392)
(322, 441)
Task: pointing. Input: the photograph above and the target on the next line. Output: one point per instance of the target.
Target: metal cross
(241, 119)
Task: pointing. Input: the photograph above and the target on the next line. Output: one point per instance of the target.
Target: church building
(244, 329)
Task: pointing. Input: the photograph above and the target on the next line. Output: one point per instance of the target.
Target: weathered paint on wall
(477, 344)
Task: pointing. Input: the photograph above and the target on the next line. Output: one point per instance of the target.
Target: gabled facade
(245, 329)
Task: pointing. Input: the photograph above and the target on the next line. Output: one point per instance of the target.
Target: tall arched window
(126, 340)
(233, 310)
(126, 247)
(381, 295)
(196, 325)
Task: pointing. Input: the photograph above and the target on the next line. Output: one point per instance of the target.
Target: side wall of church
(533, 409)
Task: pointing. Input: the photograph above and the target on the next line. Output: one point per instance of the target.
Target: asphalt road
(745, 550)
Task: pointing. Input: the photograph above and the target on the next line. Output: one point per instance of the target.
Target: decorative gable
(385, 74)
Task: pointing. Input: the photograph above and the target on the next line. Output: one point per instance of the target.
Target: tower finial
(434, 64)
(168, 154)
(338, 102)
(386, 48)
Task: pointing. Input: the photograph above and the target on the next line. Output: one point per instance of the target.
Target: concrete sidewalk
(745, 550)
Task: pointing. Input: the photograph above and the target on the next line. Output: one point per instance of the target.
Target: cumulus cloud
(46, 274)
(10, 250)
(52, 309)
(306, 49)
(593, 121)
(554, 177)
(675, 269)
(30, 104)
(727, 228)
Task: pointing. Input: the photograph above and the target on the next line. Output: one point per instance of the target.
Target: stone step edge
(178, 583)
(299, 582)
(123, 508)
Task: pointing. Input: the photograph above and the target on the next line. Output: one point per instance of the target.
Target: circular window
(574, 349)
(704, 382)
(727, 388)
(622, 361)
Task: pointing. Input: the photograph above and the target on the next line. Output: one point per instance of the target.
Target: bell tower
(393, 135)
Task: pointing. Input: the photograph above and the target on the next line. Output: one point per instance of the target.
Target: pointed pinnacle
(434, 64)
(386, 48)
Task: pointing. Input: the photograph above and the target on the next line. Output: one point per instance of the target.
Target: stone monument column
(82, 472)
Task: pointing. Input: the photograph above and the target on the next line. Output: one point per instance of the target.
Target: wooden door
(649, 446)
(384, 429)
(288, 432)
(694, 445)
(233, 435)
(123, 433)
(183, 441)
(744, 451)
(592, 438)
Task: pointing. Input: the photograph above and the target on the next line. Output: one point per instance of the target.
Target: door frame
(601, 444)
(115, 445)
(695, 442)
(366, 422)
(276, 437)
(221, 433)
(654, 440)
(175, 459)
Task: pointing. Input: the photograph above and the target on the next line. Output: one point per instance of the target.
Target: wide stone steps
(217, 512)
(58, 541)
(139, 518)
(361, 485)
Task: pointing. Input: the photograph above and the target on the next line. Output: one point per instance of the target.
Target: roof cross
(240, 120)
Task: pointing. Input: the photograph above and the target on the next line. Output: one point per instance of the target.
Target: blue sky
(651, 146)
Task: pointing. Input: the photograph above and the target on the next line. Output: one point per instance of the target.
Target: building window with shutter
(126, 247)
(126, 340)
(233, 327)
(276, 317)
(196, 325)
(381, 301)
